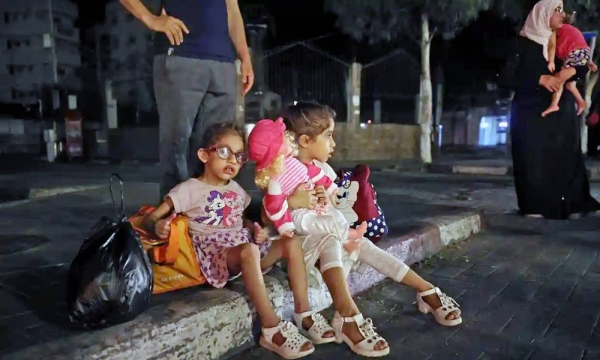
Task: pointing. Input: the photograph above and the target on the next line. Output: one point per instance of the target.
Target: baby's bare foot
(551, 109)
(581, 106)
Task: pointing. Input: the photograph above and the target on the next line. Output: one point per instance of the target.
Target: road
(528, 289)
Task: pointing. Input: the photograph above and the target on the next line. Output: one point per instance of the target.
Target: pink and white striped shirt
(280, 188)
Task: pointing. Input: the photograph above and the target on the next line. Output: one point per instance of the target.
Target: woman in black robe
(549, 171)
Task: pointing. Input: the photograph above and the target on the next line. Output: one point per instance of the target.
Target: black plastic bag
(110, 280)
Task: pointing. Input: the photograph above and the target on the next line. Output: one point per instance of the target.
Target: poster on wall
(73, 129)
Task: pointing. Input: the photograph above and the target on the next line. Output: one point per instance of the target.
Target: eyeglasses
(560, 10)
(225, 153)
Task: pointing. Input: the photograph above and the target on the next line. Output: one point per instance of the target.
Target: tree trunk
(425, 113)
(439, 106)
(590, 82)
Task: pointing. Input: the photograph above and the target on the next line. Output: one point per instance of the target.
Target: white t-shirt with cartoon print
(210, 208)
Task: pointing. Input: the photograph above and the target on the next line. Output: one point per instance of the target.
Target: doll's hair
(262, 177)
(308, 118)
(214, 133)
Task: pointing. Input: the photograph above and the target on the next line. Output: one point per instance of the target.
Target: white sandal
(318, 328)
(448, 305)
(291, 348)
(367, 346)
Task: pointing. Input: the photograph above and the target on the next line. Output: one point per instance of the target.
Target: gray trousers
(191, 94)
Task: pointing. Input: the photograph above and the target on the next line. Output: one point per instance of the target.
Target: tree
(380, 21)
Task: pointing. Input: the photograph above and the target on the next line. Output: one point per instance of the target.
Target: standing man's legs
(180, 85)
(218, 104)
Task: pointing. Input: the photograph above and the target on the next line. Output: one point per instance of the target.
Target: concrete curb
(212, 323)
(470, 169)
(593, 171)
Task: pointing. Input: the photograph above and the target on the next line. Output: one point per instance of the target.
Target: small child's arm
(158, 222)
(552, 52)
(259, 234)
(318, 177)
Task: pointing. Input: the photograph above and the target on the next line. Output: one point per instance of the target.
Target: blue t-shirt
(209, 31)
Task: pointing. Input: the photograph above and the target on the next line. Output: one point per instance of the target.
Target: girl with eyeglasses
(227, 246)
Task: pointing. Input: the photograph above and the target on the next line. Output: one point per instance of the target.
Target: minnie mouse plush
(364, 201)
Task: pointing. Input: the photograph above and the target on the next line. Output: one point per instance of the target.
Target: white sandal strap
(268, 333)
(448, 305)
(319, 327)
(288, 331)
(302, 315)
(358, 318)
(365, 347)
(435, 290)
(365, 327)
(291, 347)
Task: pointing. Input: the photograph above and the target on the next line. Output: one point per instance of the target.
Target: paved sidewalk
(498, 165)
(39, 238)
(528, 289)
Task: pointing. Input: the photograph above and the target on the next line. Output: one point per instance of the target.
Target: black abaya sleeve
(580, 73)
(532, 65)
(507, 77)
(524, 67)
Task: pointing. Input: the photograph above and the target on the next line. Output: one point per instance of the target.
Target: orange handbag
(174, 260)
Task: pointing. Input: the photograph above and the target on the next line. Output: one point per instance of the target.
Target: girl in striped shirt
(280, 173)
(313, 125)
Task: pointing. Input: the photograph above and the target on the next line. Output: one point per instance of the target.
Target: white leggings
(370, 254)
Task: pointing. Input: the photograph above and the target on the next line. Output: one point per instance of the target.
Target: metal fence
(136, 104)
(295, 72)
(301, 71)
(389, 88)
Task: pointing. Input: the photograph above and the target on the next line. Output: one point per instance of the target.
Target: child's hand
(551, 67)
(593, 66)
(334, 200)
(302, 198)
(322, 195)
(260, 235)
(162, 228)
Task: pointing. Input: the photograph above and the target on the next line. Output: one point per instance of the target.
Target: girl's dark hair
(308, 118)
(213, 133)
